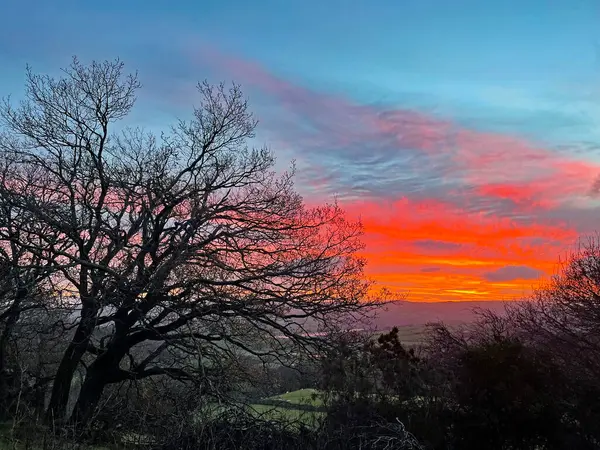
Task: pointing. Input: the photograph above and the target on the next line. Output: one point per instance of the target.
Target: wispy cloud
(393, 141)
(490, 210)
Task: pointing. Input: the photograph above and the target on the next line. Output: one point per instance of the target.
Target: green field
(301, 397)
(286, 415)
(290, 413)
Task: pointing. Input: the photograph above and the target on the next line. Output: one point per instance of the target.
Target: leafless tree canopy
(563, 315)
(188, 245)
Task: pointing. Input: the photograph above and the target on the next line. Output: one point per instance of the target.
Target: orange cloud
(462, 250)
(449, 213)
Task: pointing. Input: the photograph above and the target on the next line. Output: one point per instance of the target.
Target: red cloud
(498, 166)
(487, 165)
(394, 233)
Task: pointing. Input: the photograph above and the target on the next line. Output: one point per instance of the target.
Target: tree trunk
(102, 372)
(57, 409)
(89, 397)
(12, 317)
(7, 378)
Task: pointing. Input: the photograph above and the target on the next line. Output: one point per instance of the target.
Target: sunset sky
(464, 133)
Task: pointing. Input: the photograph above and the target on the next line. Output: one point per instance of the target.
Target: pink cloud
(496, 165)
(438, 248)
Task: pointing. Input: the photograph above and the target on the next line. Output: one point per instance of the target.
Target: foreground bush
(246, 432)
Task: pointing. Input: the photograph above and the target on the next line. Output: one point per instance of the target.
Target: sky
(464, 134)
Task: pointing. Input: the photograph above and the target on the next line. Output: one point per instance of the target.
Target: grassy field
(301, 397)
(291, 407)
(290, 412)
(287, 415)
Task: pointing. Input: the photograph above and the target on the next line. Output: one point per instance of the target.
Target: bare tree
(185, 246)
(25, 278)
(563, 315)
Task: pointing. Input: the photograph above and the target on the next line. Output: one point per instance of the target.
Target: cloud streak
(450, 213)
(511, 273)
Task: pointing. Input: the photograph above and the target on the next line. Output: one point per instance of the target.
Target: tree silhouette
(178, 249)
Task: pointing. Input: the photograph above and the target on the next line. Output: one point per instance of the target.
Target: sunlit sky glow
(464, 133)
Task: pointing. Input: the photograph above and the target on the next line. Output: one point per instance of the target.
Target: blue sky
(454, 57)
(487, 111)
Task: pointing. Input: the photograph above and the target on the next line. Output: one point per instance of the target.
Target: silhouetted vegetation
(525, 379)
(174, 292)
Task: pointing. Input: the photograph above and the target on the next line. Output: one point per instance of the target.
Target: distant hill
(406, 313)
